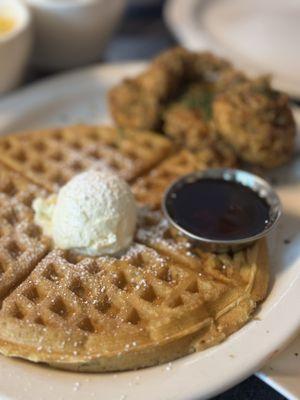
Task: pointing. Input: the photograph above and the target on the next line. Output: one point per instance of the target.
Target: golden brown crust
(140, 102)
(149, 188)
(51, 157)
(187, 126)
(198, 99)
(132, 108)
(22, 245)
(257, 122)
(208, 311)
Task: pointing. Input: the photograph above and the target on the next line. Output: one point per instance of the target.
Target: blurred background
(40, 38)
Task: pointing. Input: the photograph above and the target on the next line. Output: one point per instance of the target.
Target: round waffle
(160, 300)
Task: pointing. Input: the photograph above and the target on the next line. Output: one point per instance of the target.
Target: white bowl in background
(71, 33)
(15, 45)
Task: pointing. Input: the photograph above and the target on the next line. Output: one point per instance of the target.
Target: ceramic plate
(283, 372)
(80, 97)
(258, 35)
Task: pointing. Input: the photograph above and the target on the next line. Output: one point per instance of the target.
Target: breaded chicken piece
(132, 107)
(198, 99)
(188, 129)
(256, 121)
(208, 67)
(188, 120)
(186, 126)
(139, 102)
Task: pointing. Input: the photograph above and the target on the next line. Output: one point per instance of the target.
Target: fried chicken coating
(133, 108)
(257, 121)
(199, 99)
(139, 102)
(207, 67)
(188, 120)
(186, 126)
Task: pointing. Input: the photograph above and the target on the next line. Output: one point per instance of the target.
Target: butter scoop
(94, 214)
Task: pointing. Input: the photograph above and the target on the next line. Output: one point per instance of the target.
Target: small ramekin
(258, 185)
(15, 45)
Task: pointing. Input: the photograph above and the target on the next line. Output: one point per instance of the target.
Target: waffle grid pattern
(21, 242)
(149, 188)
(51, 158)
(160, 300)
(136, 290)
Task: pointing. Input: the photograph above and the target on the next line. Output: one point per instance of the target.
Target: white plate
(260, 36)
(80, 97)
(283, 372)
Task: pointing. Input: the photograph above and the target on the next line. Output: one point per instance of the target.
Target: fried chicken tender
(139, 102)
(133, 108)
(208, 67)
(188, 120)
(199, 99)
(186, 126)
(257, 121)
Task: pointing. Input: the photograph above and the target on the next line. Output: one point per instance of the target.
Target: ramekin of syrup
(222, 209)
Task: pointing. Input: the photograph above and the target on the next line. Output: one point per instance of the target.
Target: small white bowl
(71, 33)
(15, 45)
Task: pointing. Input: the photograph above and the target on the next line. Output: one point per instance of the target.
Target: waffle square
(149, 188)
(160, 300)
(21, 242)
(51, 157)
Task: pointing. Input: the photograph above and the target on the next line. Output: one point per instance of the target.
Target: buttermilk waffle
(21, 243)
(51, 157)
(160, 300)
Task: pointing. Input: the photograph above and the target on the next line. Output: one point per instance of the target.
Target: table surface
(141, 35)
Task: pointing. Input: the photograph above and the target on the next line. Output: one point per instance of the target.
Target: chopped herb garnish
(199, 99)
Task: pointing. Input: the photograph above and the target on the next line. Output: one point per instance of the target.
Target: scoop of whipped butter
(94, 214)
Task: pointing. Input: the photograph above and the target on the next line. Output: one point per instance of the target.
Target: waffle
(149, 188)
(152, 305)
(21, 242)
(51, 157)
(160, 300)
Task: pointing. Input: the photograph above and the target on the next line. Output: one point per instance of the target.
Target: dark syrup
(217, 209)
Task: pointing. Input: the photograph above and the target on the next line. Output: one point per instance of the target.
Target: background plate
(283, 372)
(80, 97)
(259, 36)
